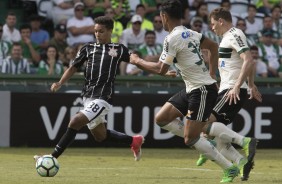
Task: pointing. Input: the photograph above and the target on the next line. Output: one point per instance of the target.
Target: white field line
(171, 168)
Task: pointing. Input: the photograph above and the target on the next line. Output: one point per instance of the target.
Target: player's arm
(213, 48)
(66, 76)
(159, 68)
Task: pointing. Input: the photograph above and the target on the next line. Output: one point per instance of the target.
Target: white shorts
(95, 110)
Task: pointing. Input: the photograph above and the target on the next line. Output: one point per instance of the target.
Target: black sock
(64, 142)
(118, 137)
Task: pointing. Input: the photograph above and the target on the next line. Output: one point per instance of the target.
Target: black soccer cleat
(246, 170)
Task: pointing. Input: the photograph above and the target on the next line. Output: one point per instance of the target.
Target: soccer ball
(47, 166)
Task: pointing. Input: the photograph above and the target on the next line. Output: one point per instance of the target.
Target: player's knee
(78, 121)
(160, 120)
(99, 137)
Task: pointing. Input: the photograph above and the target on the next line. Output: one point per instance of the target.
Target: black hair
(25, 26)
(106, 21)
(140, 6)
(150, 32)
(172, 9)
(253, 47)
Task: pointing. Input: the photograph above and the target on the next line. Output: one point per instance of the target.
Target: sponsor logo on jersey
(186, 34)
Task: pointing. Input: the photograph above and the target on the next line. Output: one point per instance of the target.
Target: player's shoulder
(181, 32)
(234, 32)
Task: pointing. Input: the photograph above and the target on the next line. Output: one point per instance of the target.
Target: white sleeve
(169, 50)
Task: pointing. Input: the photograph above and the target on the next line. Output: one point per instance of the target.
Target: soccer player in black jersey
(101, 59)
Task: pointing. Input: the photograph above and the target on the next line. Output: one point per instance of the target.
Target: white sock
(225, 134)
(176, 127)
(208, 150)
(228, 151)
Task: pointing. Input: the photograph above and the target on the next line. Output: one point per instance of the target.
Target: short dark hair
(253, 47)
(150, 32)
(172, 8)
(106, 21)
(221, 13)
(140, 6)
(25, 26)
(252, 6)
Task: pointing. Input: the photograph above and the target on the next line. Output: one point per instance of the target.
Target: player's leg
(174, 108)
(225, 113)
(201, 102)
(101, 134)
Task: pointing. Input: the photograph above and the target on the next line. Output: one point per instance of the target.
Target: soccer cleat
(137, 142)
(243, 161)
(249, 147)
(246, 170)
(229, 174)
(202, 159)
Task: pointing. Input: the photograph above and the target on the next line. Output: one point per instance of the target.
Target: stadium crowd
(32, 49)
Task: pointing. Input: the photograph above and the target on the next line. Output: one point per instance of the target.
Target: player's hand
(171, 73)
(134, 58)
(233, 95)
(255, 94)
(55, 86)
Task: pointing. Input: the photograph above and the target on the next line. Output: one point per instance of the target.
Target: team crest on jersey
(113, 52)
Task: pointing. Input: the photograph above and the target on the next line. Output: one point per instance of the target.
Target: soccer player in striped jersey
(101, 59)
(183, 48)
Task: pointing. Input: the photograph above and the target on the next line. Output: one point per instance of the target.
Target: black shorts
(226, 113)
(196, 105)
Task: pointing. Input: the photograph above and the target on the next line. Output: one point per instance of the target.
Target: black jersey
(101, 62)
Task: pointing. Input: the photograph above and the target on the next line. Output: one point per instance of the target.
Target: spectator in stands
(227, 4)
(39, 36)
(118, 28)
(80, 28)
(261, 67)
(132, 38)
(194, 4)
(50, 64)
(4, 47)
(63, 10)
(30, 50)
(267, 24)
(270, 53)
(151, 7)
(96, 8)
(122, 11)
(202, 12)
(146, 24)
(265, 6)
(159, 29)
(253, 25)
(150, 50)
(277, 22)
(241, 24)
(197, 24)
(10, 32)
(59, 40)
(70, 53)
(16, 63)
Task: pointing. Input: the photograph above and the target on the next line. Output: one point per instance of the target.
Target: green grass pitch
(117, 166)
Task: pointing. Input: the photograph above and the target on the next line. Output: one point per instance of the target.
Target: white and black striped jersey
(101, 62)
(10, 66)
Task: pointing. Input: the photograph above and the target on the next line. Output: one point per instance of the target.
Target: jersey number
(94, 107)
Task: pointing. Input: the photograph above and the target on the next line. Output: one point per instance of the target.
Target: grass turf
(117, 166)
